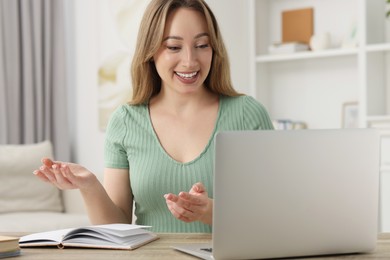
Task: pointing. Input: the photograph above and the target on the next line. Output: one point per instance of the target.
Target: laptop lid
(295, 193)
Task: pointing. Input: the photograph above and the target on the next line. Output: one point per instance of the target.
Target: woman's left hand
(194, 205)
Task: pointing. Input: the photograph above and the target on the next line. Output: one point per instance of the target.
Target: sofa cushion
(31, 222)
(20, 190)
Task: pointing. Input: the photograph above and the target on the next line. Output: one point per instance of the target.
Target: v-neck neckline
(199, 156)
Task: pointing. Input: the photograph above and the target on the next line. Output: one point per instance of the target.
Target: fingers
(47, 161)
(198, 188)
(175, 206)
(194, 205)
(189, 198)
(183, 215)
(61, 178)
(176, 200)
(67, 173)
(185, 206)
(184, 200)
(57, 175)
(41, 176)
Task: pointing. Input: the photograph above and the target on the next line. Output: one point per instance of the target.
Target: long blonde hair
(145, 79)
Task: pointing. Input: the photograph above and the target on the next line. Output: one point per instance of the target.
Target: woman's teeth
(187, 75)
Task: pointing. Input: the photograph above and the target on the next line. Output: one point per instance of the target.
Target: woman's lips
(187, 78)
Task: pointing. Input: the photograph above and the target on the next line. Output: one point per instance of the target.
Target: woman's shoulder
(128, 109)
(243, 101)
(127, 116)
(251, 112)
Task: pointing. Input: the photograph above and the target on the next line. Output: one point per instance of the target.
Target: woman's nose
(189, 58)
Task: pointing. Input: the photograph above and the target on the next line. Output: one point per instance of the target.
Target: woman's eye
(202, 46)
(173, 48)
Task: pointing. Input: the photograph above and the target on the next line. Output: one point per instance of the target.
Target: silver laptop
(293, 193)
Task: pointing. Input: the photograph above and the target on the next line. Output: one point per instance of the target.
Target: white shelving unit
(312, 86)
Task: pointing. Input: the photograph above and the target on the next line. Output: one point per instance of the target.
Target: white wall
(88, 140)
(233, 19)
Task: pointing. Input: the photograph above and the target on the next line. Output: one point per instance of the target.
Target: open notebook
(293, 193)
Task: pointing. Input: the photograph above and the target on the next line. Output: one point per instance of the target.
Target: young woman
(159, 147)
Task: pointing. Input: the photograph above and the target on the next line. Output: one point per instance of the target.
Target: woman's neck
(183, 103)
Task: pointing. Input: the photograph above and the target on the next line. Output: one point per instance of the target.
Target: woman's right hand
(65, 175)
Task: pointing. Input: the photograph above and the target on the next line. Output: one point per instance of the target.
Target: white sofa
(28, 204)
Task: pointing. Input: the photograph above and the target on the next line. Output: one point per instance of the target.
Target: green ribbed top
(132, 143)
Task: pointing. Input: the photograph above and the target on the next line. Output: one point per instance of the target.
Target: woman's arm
(117, 185)
(109, 204)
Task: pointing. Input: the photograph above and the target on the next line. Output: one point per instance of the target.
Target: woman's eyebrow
(181, 38)
(201, 35)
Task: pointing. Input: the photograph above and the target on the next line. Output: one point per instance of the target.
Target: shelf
(382, 123)
(385, 133)
(378, 47)
(320, 54)
(378, 118)
(306, 55)
(385, 169)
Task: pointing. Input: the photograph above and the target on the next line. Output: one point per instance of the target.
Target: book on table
(110, 236)
(9, 246)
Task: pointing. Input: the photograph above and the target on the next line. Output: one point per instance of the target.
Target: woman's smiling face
(184, 59)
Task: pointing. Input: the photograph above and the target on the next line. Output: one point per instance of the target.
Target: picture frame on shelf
(350, 115)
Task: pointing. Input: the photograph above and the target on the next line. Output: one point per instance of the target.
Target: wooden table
(161, 249)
